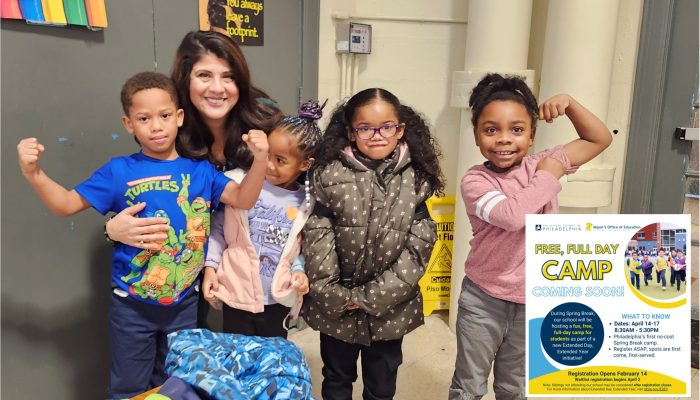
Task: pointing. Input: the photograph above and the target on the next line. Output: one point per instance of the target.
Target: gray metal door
(661, 173)
(665, 91)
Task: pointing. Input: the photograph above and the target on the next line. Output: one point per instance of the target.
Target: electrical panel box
(351, 37)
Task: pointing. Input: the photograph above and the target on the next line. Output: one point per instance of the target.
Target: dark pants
(634, 279)
(202, 311)
(380, 365)
(267, 323)
(661, 277)
(138, 340)
(676, 278)
(647, 278)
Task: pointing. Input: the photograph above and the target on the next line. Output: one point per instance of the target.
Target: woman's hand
(210, 282)
(301, 282)
(143, 233)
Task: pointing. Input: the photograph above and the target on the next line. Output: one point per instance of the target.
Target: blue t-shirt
(270, 221)
(182, 190)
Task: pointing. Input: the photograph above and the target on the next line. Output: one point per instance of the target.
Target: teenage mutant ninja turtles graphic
(188, 267)
(158, 281)
(198, 225)
(170, 245)
(176, 265)
(197, 215)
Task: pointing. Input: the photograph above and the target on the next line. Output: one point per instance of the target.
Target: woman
(220, 104)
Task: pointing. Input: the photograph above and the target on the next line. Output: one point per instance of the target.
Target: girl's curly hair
(423, 147)
(494, 87)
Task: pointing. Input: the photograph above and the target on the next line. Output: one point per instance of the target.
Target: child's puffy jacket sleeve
(399, 283)
(485, 200)
(321, 261)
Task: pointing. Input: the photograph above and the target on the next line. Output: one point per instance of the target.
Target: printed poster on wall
(242, 20)
(608, 305)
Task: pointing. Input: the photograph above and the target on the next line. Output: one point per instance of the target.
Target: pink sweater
(496, 205)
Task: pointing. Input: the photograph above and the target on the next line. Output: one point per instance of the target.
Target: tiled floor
(429, 354)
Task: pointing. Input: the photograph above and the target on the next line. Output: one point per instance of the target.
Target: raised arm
(58, 199)
(245, 195)
(594, 136)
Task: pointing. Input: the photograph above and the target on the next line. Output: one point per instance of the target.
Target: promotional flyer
(608, 305)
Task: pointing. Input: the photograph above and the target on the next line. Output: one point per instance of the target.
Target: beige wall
(415, 60)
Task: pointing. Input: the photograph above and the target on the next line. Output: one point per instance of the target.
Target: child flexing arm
(64, 202)
(496, 137)
(498, 195)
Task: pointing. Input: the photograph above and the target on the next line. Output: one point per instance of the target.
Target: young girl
(498, 195)
(369, 239)
(257, 277)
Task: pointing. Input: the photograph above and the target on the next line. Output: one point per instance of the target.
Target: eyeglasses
(368, 132)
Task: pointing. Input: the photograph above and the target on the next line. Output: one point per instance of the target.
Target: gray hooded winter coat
(367, 247)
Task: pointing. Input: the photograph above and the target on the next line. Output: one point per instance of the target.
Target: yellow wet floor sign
(435, 284)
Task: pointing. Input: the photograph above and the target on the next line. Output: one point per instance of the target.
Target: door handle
(687, 133)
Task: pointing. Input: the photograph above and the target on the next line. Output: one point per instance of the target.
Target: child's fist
(301, 282)
(552, 166)
(554, 107)
(257, 143)
(29, 150)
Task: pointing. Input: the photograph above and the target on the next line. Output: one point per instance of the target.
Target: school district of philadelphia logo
(558, 227)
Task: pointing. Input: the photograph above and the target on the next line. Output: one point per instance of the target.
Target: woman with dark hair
(220, 103)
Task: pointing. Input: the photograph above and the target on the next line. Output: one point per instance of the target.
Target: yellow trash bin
(435, 284)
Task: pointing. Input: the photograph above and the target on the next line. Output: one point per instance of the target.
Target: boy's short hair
(147, 80)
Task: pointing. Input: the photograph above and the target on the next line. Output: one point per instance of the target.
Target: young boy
(661, 268)
(152, 291)
(647, 268)
(680, 269)
(634, 266)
